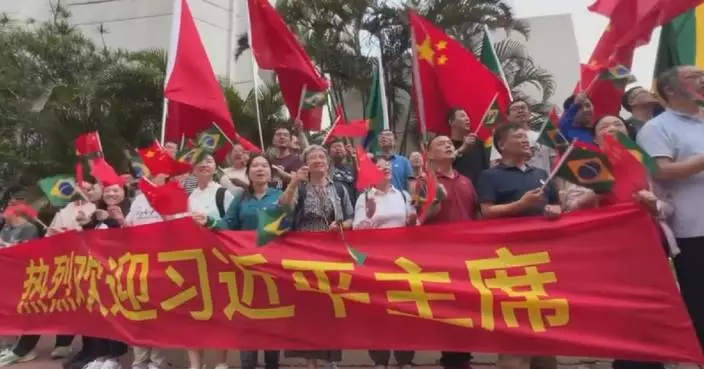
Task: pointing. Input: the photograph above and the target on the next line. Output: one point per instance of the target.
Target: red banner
(592, 284)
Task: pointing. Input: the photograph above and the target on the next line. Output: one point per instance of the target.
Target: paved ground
(423, 360)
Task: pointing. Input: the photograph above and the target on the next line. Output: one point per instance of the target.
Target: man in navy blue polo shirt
(512, 189)
(400, 166)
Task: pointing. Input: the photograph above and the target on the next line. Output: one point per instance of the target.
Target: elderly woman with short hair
(319, 204)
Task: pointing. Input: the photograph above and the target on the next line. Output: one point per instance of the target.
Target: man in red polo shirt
(460, 203)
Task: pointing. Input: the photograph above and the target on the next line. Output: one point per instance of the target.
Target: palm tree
(244, 111)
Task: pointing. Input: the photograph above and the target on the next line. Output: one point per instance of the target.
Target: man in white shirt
(519, 113)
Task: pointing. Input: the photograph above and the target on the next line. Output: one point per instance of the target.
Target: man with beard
(675, 139)
(284, 160)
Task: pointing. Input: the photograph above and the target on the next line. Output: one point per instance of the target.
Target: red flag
(445, 72)
(160, 162)
(88, 147)
(105, 173)
(368, 174)
(631, 176)
(357, 128)
(195, 99)
(604, 94)
(169, 199)
(21, 208)
(277, 48)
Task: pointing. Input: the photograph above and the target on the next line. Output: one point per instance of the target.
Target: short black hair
(333, 141)
(502, 131)
(283, 126)
(450, 116)
(568, 102)
(626, 99)
(632, 132)
(667, 79)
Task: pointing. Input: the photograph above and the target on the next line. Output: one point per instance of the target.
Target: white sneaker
(95, 364)
(222, 366)
(29, 357)
(7, 357)
(111, 364)
(61, 352)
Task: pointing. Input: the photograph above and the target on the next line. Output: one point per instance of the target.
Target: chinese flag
(342, 128)
(630, 174)
(451, 76)
(276, 48)
(88, 147)
(195, 99)
(105, 173)
(160, 162)
(368, 174)
(169, 199)
(604, 94)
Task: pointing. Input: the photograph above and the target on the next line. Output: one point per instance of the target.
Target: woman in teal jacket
(243, 215)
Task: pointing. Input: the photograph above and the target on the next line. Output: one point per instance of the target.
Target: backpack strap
(220, 201)
(340, 189)
(298, 211)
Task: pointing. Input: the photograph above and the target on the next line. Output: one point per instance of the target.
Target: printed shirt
(141, 212)
(243, 213)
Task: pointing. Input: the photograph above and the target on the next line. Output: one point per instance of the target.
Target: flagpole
(496, 57)
(563, 158)
(419, 89)
(163, 120)
(382, 91)
(254, 79)
(486, 112)
(224, 135)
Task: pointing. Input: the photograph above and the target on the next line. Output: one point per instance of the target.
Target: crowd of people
(317, 184)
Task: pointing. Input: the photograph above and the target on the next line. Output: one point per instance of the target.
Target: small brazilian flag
(192, 155)
(211, 139)
(493, 115)
(550, 135)
(59, 190)
(588, 168)
(272, 223)
(139, 169)
(619, 74)
(314, 99)
(356, 255)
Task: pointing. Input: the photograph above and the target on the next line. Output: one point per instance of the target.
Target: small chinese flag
(631, 173)
(88, 147)
(105, 173)
(160, 162)
(169, 199)
(368, 174)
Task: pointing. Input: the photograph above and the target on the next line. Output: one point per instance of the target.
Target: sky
(588, 28)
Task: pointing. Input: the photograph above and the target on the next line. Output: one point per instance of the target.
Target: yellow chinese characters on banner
(212, 284)
(527, 291)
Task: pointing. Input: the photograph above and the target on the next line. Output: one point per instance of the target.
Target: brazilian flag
(273, 222)
(588, 168)
(59, 190)
(139, 169)
(193, 155)
(211, 139)
(313, 99)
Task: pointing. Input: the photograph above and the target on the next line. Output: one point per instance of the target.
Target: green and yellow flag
(681, 41)
(272, 223)
(59, 190)
(550, 135)
(191, 155)
(314, 99)
(589, 168)
(638, 152)
(211, 139)
(139, 169)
